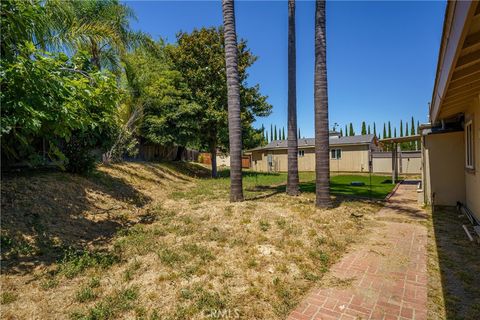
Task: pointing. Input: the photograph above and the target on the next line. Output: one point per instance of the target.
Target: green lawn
(259, 183)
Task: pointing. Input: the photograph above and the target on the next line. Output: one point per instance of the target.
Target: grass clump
(74, 263)
(111, 306)
(8, 297)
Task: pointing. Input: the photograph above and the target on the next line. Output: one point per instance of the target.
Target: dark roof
(310, 142)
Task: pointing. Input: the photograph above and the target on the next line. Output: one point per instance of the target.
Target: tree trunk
(233, 90)
(292, 180)
(322, 161)
(213, 159)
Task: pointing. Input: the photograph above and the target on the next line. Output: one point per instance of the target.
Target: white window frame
(469, 145)
(337, 152)
(301, 153)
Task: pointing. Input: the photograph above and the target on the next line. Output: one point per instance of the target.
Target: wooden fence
(156, 152)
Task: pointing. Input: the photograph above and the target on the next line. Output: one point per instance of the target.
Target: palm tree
(322, 161)
(233, 89)
(292, 180)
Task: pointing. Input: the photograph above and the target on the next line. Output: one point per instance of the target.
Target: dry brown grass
(159, 244)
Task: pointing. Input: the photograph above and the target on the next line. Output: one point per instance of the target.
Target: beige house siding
(444, 157)
(472, 177)
(354, 159)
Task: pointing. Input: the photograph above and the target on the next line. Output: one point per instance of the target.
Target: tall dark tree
(233, 91)
(271, 132)
(395, 132)
(364, 128)
(374, 129)
(341, 132)
(299, 135)
(292, 178)
(368, 130)
(346, 130)
(389, 130)
(401, 128)
(384, 131)
(275, 133)
(322, 159)
(351, 131)
(283, 133)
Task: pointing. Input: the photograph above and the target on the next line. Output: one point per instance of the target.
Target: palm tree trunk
(322, 161)
(292, 180)
(233, 90)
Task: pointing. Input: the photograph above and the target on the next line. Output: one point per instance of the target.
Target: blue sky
(381, 56)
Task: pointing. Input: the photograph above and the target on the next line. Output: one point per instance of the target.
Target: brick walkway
(382, 278)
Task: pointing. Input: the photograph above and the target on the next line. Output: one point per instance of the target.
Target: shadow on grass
(43, 213)
(459, 265)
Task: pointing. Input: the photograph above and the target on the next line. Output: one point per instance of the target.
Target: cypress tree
(384, 131)
(401, 128)
(271, 133)
(395, 132)
(341, 132)
(412, 128)
(406, 129)
(389, 130)
(351, 133)
(364, 128)
(299, 136)
(283, 133)
(346, 130)
(275, 133)
(374, 129)
(368, 131)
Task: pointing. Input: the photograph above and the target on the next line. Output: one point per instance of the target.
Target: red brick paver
(387, 273)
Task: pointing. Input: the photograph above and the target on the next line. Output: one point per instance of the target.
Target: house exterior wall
(472, 176)
(354, 159)
(444, 158)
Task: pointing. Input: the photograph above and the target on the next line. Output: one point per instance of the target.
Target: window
(301, 153)
(336, 154)
(469, 159)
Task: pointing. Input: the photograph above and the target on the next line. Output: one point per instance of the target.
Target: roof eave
(457, 15)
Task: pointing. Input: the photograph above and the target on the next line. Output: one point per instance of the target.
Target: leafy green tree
(47, 100)
(199, 56)
(364, 128)
(170, 116)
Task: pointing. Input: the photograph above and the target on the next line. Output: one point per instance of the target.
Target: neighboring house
(451, 141)
(347, 154)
